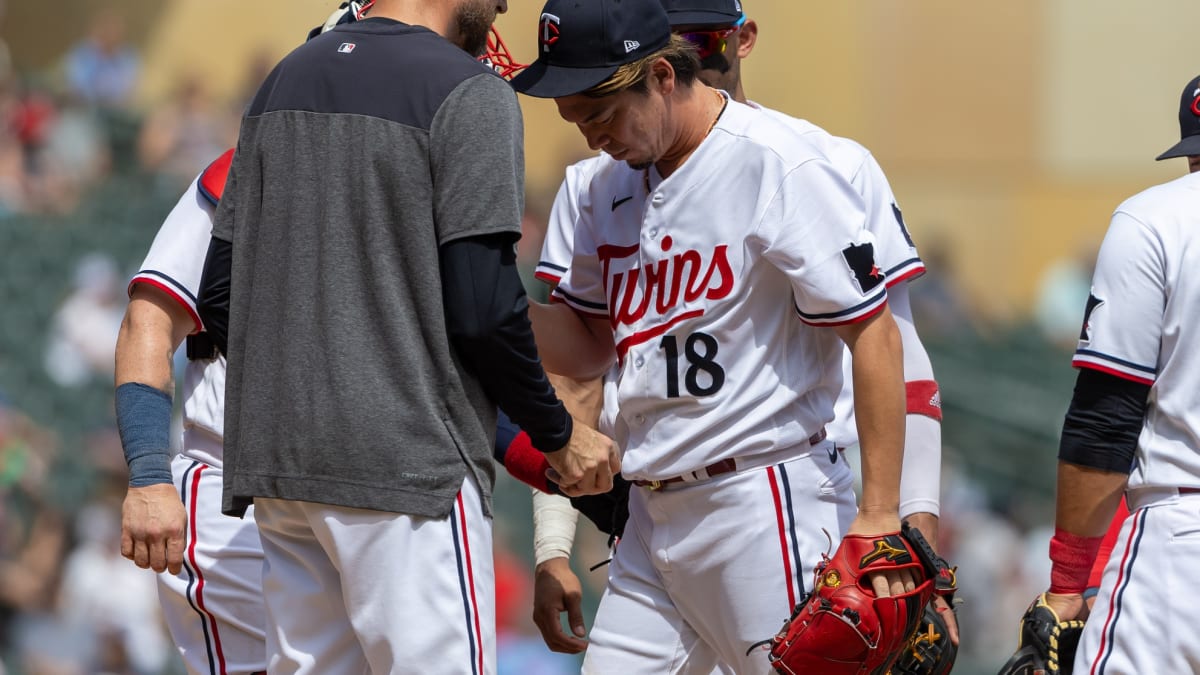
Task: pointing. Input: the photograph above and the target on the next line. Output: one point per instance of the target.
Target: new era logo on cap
(631, 45)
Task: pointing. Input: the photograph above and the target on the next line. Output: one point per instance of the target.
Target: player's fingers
(909, 579)
(566, 486)
(614, 460)
(575, 614)
(126, 544)
(947, 614)
(604, 478)
(141, 554)
(547, 620)
(881, 585)
(175, 545)
(158, 555)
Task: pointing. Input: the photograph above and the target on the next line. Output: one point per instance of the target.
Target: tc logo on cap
(548, 34)
(1196, 103)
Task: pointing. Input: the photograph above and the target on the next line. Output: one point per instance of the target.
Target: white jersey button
(658, 199)
(639, 361)
(653, 232)
(639, 419)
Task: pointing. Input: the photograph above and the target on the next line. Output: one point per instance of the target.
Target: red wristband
(526, 464)
(923, 398)
(1071, 558)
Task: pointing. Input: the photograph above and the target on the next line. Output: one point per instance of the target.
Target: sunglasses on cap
(709, 42)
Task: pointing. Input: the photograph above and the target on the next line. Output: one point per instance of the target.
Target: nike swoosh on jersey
(617, 202)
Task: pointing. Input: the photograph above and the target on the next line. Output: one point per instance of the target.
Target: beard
(474, 20)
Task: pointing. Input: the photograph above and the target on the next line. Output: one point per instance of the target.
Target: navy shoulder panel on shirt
(375, 67)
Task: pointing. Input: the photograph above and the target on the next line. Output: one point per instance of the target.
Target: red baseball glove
(842, 627)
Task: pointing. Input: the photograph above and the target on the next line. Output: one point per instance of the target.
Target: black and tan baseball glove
(930, 650)
(1047, 644)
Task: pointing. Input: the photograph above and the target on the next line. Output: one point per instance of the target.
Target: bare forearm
(878, 372)
(150, 333)
(569, 344)
(1087, 499)
(583, 398)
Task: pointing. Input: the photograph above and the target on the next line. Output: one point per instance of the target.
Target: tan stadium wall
(1009, 130)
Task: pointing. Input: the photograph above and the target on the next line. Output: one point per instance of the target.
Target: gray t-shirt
(365, 150)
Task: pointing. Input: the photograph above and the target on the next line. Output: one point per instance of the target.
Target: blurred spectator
(49, 154)
(33, 536)
(1062, 295)
(185, 132)
(102, 69)
(85, 326)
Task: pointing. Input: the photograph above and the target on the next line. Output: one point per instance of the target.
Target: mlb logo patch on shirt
(346, 47)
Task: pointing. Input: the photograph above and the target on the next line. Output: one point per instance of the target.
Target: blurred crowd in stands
(86, 177)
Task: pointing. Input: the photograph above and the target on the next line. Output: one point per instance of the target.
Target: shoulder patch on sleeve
(861, 260)
(212, 181)
(1085, 333)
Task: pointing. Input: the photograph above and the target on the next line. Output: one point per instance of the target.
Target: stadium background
(1009, 131)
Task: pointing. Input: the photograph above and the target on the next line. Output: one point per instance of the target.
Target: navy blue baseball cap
(583, 42)
(1189, 123)
(703, 12)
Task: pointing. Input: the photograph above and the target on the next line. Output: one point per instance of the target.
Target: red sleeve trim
(858, 318)
(199, 325)
(910, 274)
(1111, 371)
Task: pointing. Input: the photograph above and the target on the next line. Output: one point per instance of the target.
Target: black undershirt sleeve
(1104, 421)
(212, 302)
(488, 325)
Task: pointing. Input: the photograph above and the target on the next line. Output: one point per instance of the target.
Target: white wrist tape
(554, 522)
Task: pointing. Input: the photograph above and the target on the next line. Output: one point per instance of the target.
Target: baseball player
(211, 593)
(1135, 404)
(361, 279)
(723, 36)
(721, 259)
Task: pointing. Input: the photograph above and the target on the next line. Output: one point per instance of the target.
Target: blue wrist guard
(144, 422)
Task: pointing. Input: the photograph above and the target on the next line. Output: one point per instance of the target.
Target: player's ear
(746, 38)
(662, 77)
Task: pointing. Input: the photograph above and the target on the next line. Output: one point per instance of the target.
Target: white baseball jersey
(895, 252)
(716, 284)
(1141, 324)
(174, 265)
(213, 607)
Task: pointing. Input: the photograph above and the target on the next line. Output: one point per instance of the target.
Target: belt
(1189, 490)
(712, 470)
